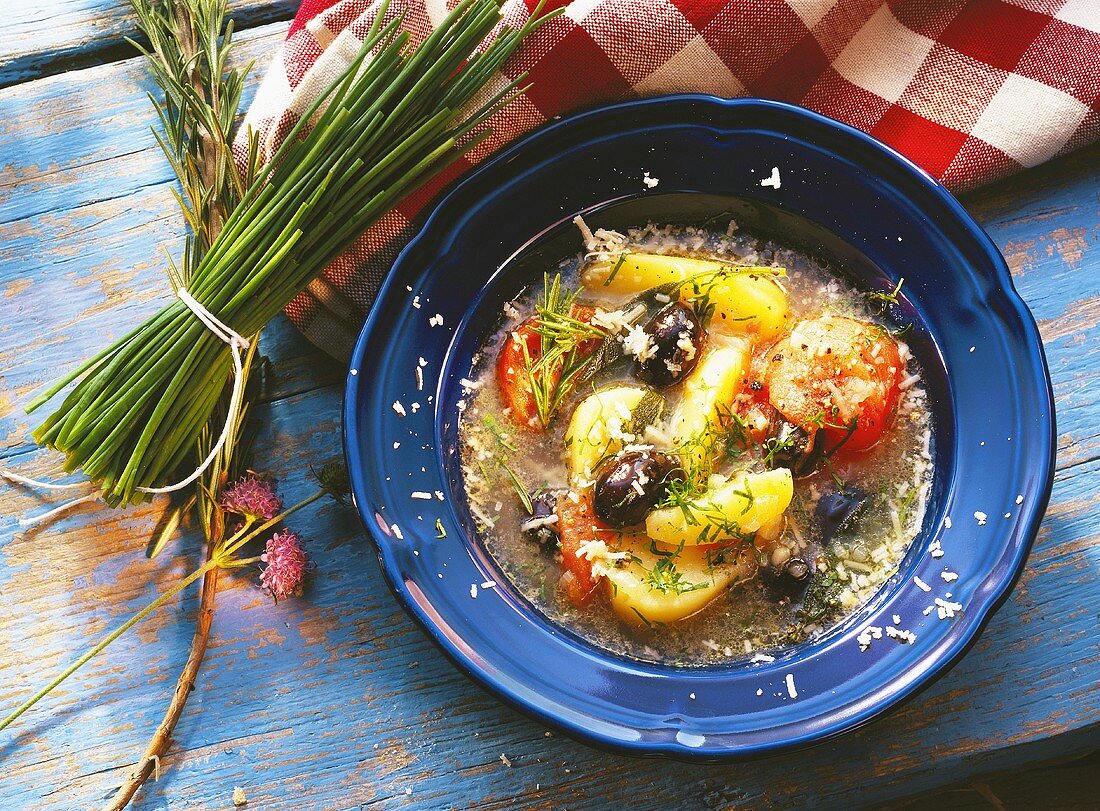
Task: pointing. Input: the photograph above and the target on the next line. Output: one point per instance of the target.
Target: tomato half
(832, 370)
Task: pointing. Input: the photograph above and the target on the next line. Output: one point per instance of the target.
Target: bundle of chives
(389, 122)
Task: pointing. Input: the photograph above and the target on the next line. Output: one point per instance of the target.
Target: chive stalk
(388, 123)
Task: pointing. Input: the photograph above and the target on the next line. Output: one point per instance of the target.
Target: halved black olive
(630, 485)
(836, 509)
(794, 448)
(541, 526)
(676, 336)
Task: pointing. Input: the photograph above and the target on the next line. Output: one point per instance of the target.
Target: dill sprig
(379, 131)
(666, 578)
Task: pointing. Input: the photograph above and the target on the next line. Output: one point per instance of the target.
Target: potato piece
(690, 581)
(597, 425)
(741, 506)
(709, 392)
(752, 305)
(641, 271)
(745, 302)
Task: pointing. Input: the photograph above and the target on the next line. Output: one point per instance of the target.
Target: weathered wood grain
(41, 39)
(336, 700)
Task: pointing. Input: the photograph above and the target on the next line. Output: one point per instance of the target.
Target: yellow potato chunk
(597, 426)
(746, 300)
(734, 509)
(709, 392)
(641, 271)
(653, 588)
(753, 305)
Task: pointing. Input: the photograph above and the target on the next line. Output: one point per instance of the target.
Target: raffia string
(236, 343)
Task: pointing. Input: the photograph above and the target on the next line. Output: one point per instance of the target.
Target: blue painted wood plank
(294, 698)
(41, 39)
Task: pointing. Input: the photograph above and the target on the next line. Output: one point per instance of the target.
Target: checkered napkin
(972, 90)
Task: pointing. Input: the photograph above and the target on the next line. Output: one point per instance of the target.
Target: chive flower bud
(252, 498)
(287, 564)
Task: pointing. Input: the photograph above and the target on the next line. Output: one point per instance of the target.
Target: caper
(794, 448)
(790, 580)
(541, 526)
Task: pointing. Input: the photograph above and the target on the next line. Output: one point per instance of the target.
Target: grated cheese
(791, 691)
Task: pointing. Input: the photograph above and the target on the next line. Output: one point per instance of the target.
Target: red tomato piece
(513, 381)
(832, 370)
(577, 525)
(582, 312)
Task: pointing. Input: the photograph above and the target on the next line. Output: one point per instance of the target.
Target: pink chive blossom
(251, 497)
(287, 564)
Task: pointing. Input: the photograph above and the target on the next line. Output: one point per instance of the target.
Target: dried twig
(158, 744)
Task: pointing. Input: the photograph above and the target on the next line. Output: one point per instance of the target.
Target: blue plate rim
(979, 611)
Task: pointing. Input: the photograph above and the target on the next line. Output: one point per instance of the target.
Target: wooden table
(336, 700)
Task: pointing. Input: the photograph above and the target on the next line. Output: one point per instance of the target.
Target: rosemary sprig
(504, 447)
(385, 126)
(189, 42)
(559, 365)
(189, 45)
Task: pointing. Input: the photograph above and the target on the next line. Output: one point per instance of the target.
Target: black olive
(790, 580)
(835, 510)
(669, 330)
(535, 527)
(630, 485)
(794, 448)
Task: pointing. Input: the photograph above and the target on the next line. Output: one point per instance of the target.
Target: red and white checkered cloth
(972, 90)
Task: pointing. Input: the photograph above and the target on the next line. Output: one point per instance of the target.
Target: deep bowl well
(842, 195)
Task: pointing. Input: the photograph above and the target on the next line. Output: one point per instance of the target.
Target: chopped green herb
(498, 432)
(885, 299)
(666, 578)
(615, 270)
(517, 485)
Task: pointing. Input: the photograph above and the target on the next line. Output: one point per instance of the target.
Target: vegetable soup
(692, 446)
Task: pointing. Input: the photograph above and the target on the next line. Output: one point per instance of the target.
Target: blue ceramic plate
(843, 195)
